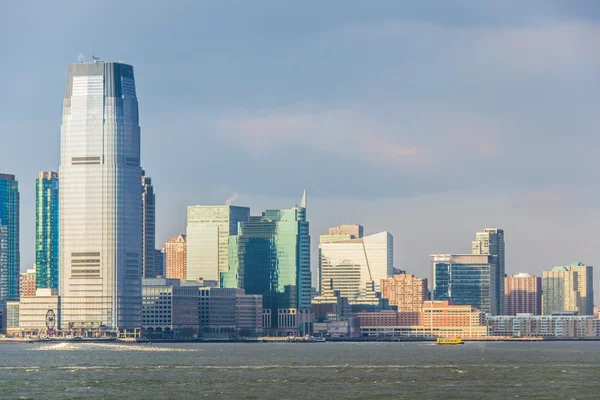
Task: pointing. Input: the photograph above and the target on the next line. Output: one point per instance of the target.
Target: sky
(429, 119)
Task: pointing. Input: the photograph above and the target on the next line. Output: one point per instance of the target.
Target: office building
(148, 228)
(229, 312)
(10, 256)
(405, 291)
(175, 256)
(348, 263)
(100, 249)
(560, 291)
(46, 230)
(437, 319)
(522, 294)
(33, 311)
(28, 283)
(491, 242)
(169, 308)
(585, 287)
(208, 231)
(466, 279)
(270, 256)
(159, 263)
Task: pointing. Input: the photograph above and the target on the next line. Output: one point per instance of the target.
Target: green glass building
(10, 256)
(46, 230)
(270, 256)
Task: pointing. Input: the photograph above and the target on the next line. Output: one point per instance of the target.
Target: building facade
(585, 287)
(522, 294)
(208, 231)
(10, 256)
(100, 201)
(175, 255)
(148, 228)
(350, 264)
(559, 291)
(405, 291)
(466, 279)
(230, 312)
(544, 326)
(491, 242)
(270, 256)
(28, 283)
(46, 230)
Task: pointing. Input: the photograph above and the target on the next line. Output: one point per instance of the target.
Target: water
(551, 370)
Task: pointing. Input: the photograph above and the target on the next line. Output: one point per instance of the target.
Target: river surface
(550, 370)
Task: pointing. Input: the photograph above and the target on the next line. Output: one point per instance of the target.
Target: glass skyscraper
(207, 235)
(270, 256)
(46, 230)
(466, 279)
(100, 199)
(148, 228)
(10, 256)
(491, 242)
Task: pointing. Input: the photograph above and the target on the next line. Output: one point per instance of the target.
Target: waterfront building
(491, 242)
(331, 308)
(170, 308)
(559, 288)
(46, 230)
(100, 249)
(229, 312)
(437, 319)
(270, 256)
(348, 263)
(208, 230)
(175, 256)
(12, 317)
(585, 287)
(405, 291)
(522, 294)
(148, 228)
(561, 325)
(466, 279)
(33, 310)
(28, 282)
(10, 256)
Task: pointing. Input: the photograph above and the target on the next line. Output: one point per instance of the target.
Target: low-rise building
(32, 312)
(229, 312)
(560, 325)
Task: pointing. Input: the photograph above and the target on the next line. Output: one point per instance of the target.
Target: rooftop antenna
(96, 59)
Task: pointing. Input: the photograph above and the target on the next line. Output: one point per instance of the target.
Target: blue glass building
(46, 230)
(466, 279)
(270, 256)
(10, 258)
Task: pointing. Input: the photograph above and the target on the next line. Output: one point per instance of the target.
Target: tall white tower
(100, 199)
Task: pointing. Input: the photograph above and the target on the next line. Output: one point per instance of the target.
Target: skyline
(545, 206)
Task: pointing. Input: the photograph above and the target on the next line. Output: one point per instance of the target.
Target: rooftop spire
(303, 201)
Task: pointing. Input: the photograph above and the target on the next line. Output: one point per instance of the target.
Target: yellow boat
(456, 340)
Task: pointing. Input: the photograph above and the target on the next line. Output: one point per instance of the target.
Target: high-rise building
(522, 294)
(10, 256)
(405, 291)
(159, 263)
(270, 256)
(349, 264)
(559, 291)
(585, 287)
(100, 239)
(466, 279)
(208, 231)
(175, 256)
(148, 228)
(46, 230)
(491, 242)
(28, 283)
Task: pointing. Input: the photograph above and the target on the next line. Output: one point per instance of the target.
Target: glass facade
(270, 256)
(465, 279)
(148, 229)
(46, 230)
(208, 231)
(491, 242)
(10, 256)
(100, 199)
